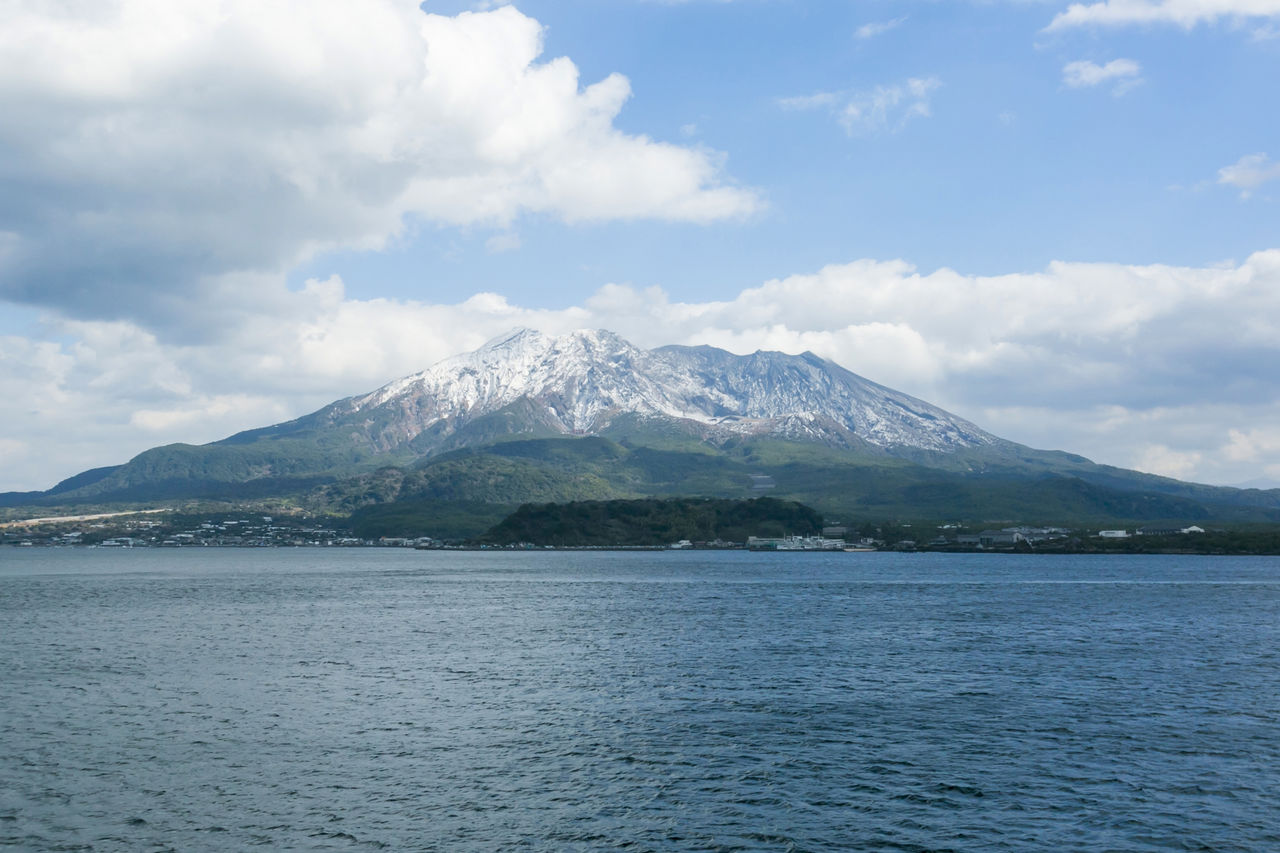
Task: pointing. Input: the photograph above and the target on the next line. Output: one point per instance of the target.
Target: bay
(315, 699)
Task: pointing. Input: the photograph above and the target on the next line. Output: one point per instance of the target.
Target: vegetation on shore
(653, 522)
(1236, 540)
(646, 522)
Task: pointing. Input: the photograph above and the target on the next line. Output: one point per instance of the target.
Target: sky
(1058, 220)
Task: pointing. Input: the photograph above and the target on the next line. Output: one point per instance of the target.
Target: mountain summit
(581, 383)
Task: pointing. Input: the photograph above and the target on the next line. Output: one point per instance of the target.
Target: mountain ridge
(581, 380)
(684, 402)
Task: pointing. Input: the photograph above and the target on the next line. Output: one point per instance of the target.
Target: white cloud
(889, 107)
(1167, 462)
(872, 29)
(1191, 441)
(1183, 13)
(1146, 366)
(1124, 73)
(809, 102)
(1248, 173)
(1254, 445)
(884, 109)
(12, 450)
(505, 242)
(162, 152)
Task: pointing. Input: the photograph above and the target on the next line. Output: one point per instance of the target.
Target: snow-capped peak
(582, 380)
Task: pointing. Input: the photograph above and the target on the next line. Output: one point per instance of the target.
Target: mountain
(506, 424)
(580, 383)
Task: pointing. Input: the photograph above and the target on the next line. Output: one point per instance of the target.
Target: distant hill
(588, 416)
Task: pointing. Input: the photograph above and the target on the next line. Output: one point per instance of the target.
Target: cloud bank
(1168, 369)
(159, 154)
(1183, 13)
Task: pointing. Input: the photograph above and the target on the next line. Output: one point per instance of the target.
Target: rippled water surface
(354, 699)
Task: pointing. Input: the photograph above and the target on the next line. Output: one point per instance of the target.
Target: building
(992, 539)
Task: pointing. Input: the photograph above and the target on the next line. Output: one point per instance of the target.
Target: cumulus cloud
(159, 153)
(1248, 173)
(1123, 73)
(883, 109)
(1183, 13)
(1169, 369)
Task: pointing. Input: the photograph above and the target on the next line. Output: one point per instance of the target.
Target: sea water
(314, 699)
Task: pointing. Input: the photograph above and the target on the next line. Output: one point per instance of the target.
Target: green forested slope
(653, 522)
(842, 487)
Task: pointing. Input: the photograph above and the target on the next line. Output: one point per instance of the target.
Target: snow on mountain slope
(580, 382)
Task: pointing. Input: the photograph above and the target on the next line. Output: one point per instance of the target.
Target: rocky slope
(580, 383)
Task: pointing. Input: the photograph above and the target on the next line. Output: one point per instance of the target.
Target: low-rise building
(991, 539)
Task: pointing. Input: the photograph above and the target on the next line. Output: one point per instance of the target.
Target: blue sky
(1011, 169)
(1060, 221)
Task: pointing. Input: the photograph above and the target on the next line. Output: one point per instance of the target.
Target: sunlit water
(353, 699)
